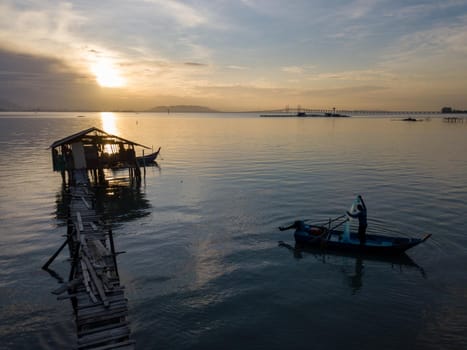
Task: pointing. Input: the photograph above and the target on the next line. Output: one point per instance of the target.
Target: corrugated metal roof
(79, 135)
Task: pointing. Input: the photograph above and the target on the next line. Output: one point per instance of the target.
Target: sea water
(203, 268)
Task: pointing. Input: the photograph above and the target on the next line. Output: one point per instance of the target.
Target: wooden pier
(93, 286)
(97, 297)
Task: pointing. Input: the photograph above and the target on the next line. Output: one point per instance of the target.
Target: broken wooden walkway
(98, 299)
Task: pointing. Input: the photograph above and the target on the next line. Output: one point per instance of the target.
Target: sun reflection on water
(109, 125)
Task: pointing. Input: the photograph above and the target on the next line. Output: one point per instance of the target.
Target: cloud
(293, 69)
(234, 67)
(195, 64)
(358, 9)
(39, 30)
(257, 97)
(355, 75)
(443, 44)
(33, 81)
(176, 47)
(413, 12)
(183, 14)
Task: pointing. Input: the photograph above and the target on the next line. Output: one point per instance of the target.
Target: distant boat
(409, 119)
(148, 159)
(307, 115)
(336, 115)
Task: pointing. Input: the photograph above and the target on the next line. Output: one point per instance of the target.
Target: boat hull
(148, 159)
(375, 244)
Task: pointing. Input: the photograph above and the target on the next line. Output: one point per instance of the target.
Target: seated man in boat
(362, 221)
(297, 224)
(300, 225)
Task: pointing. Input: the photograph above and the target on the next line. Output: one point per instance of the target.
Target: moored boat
(148, 159)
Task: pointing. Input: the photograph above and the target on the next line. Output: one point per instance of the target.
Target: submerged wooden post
(112, 250)
(52, 258)
(74, 261)
(144, 165)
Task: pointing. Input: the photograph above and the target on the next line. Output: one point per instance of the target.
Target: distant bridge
(356, 112)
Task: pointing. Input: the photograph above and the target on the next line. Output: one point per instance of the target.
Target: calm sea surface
(203, 268)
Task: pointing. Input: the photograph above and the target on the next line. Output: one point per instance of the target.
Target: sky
(234, 55)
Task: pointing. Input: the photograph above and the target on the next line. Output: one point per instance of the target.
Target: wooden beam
(97, 282)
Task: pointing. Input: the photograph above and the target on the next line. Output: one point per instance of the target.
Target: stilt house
(94, 150)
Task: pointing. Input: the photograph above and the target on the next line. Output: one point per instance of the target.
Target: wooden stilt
(112, 250)
(52, 258)
(75, 260)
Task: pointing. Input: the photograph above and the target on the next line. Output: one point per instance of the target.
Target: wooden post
(74, 261)
(52, 258)
(144, 165)
(112, 249)
(101, 176)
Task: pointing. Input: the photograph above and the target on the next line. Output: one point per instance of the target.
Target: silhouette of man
(362, 221)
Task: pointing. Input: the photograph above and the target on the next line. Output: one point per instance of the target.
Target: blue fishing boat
(328, 235)
(339, 240)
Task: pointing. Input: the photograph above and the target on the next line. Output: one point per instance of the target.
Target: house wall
(79, 158)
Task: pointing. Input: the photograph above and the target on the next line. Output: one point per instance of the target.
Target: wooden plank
(127, 345)
(101, 250)
(85, 202)
(83, 300)
(64, 287)
(99, 318)
(85, 332)
(77, 233)
(87, 282)
(99, 308)
(119, 332)
(107, 341)
(97, 282)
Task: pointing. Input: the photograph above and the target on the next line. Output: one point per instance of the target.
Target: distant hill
(6, 105)
(182, 109)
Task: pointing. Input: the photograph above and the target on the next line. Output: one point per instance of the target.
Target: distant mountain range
(182, 109)
(6, 105)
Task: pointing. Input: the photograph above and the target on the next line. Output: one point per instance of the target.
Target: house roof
(97, 132)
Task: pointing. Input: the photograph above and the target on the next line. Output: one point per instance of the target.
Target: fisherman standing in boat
(362, 222)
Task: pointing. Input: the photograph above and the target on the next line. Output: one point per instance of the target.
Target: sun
(107, 75)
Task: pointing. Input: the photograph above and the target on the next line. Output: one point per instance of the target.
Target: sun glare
(107, 75)
(109, 125)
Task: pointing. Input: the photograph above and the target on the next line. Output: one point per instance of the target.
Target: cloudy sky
(234, 54)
